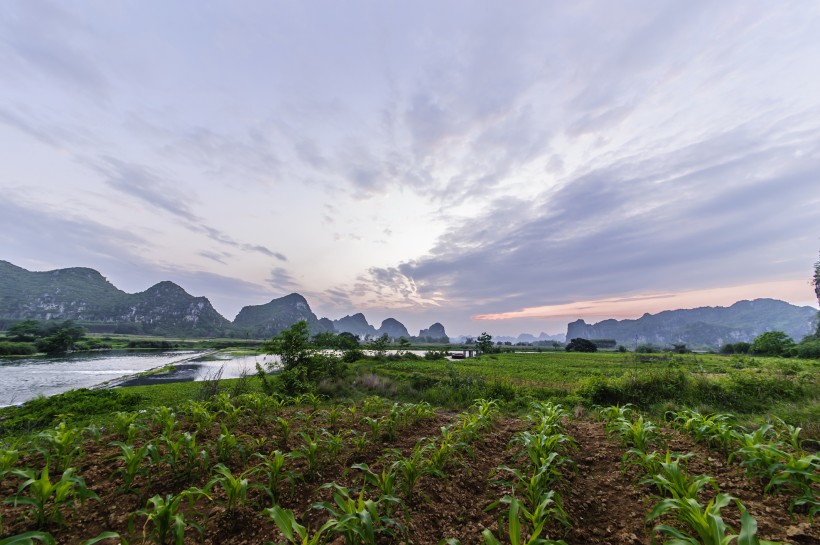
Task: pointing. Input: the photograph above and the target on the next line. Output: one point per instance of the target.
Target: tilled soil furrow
(605, 506)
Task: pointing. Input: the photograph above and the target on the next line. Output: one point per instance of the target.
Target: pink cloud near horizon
(795, 291)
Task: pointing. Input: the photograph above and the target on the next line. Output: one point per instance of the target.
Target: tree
(404, 345)
(816, 282)
(484, 343)
(25, 331)
(59, 337)
(347, 340)
(379, 345)
(581, 345)
(292, 346)
(772, 343)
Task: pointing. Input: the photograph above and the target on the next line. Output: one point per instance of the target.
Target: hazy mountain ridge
(707, 327)
(84, 295)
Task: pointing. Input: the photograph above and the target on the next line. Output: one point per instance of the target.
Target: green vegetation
(581, 345)
(750, 386)
(773, 343)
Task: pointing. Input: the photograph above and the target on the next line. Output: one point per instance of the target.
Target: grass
(755, 388)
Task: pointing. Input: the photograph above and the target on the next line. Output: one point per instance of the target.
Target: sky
(493, 166)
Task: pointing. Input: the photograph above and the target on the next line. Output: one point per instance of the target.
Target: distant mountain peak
(705, 327)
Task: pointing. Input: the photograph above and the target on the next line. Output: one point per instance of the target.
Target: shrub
(44, 412)
(773, 343)
(809, 349)
(436, 354)
(352, 355)
(17, 349)
(581, 345)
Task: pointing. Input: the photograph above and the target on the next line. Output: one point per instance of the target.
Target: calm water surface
(22, 379)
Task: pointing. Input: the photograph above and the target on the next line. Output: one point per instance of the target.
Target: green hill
(85, 296)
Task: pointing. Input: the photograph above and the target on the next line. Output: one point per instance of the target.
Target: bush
(144, 343)
(773, 343)
(295, 381)
(43, 412)
(17, 349)
(645, 349)
(581, 345)
(352, 355)
(809, 349)
(736, 348)
(436, 354)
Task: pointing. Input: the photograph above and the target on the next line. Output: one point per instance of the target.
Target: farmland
(372, 461)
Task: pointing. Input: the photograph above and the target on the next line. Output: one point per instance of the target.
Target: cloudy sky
(494, 166)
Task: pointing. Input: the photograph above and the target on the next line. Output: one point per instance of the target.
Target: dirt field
(604, 505)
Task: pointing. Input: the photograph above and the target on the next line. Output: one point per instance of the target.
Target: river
(22, 379)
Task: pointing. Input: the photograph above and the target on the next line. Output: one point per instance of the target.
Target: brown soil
(604, 505)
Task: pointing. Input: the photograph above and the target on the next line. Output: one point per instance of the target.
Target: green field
(753, 386)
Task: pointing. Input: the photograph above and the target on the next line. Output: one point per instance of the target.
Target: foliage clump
(304, 365)
(581, 345)
(773, 343)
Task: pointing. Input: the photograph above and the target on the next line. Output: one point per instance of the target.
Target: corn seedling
(333, 415)
(675, 481)
(256, 406)
(294, 532)
(616, 412)
(202, 418)
(518, 534)
(165, 420)
(332, 443)
(413, 468)
(272, 470)
(650, 462)
(122, 422)
(375, 425)
(60, 446)
(310, 450)
(359, 441)
(706, 523)
(284, 430)
(46, 499)
(788, 434)
(443, 451)
(759, 458)
(230, 416)
(638, 433)
(165, 518)
(28, 538)
(799, 477)
(372, 405)
(8, 459)
(421, 411)
(715, 429)
(539, 446)
(235, 487)
(532, 486)
(312, 399)
(384, 481)
(132, 459)
(547, 418)
(226, 445)
(93, 432)
(357, 519)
